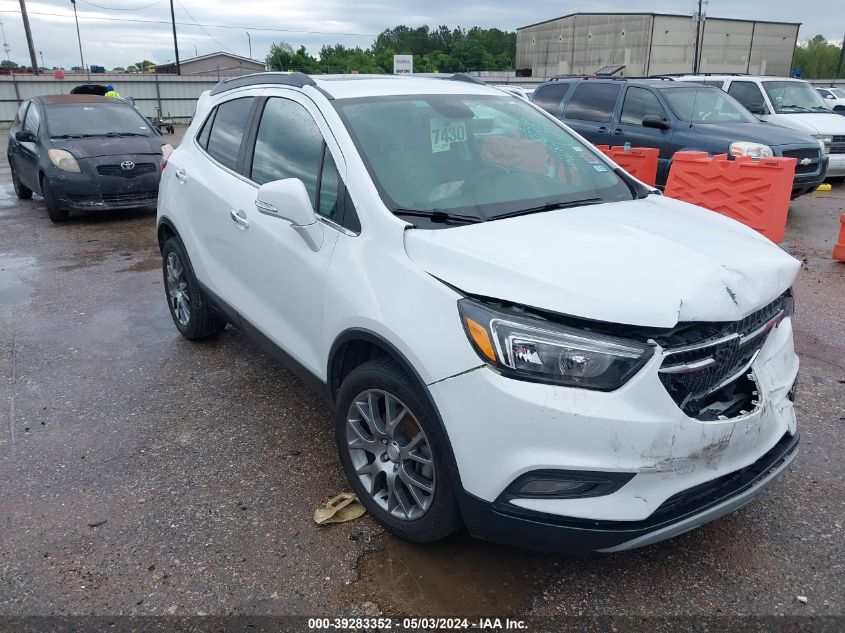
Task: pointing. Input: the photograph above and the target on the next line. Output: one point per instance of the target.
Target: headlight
(824, 141)
(747, 148)
(64, 160)
(531, 348)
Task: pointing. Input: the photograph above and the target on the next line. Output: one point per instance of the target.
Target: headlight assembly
(824, 141)
(748, 148)
(64, 160)
(531, 348)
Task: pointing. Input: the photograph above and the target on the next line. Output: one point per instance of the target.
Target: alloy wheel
(391, 454)
(177, 289)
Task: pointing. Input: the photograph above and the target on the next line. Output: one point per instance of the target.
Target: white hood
(811, 122)
(650, 262)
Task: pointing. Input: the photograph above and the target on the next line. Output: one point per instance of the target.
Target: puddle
(15, 274)
(150, 263)
(457, 576)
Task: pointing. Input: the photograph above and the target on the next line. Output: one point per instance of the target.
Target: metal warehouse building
(653, 43)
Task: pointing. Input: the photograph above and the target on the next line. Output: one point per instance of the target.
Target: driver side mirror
(288, 200)
(657, 122)
(756, 108)
(24, 136)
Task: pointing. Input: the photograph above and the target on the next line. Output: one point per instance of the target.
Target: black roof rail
(466, 78)
(296, 79)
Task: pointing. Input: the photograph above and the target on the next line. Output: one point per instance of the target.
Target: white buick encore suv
(515, 335)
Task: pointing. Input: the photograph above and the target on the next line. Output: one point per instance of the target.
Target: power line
(99, 6)
(211, 26)
(202, 27)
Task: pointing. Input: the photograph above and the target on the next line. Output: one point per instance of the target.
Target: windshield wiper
(439, 215)
(550, 206)
(796, 107)
(66, 136)
(111, 134)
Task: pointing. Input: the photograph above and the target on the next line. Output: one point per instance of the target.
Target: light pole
(29, 43)
(249, 39)
(78, 36)
(175, 43)
(42, 59)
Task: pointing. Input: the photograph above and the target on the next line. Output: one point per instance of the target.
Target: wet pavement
(143, 474)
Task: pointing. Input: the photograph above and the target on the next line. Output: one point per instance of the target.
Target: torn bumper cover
(108, 182)
(677, 471)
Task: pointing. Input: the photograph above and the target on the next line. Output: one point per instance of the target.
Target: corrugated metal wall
(175, 95)
(649, 44)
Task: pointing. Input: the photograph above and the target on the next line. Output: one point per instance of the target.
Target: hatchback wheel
(394, 453)
(56, 213)
(21, 190)
(191, 313)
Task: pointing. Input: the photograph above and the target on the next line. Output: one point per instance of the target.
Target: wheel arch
(165, 230)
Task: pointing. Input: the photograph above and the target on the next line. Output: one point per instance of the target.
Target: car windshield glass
(474, 155)
(95, 119)
(706, 105)
(794, 96)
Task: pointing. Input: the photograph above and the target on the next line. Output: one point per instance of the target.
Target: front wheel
(394, 453)
(191, 313)
(56, 213)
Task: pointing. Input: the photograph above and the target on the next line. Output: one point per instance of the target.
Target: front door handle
(602, 130)
(239, 218)
(181, 175)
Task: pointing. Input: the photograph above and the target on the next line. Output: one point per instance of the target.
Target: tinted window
(288, 145)
(593, 101)
(705, 105)
(95, 119)
(747, 93)
(549, 97)
(639, 103)
(227, 131)
(32, 121)
(329, 182)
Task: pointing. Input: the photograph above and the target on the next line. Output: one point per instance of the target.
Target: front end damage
(703, 428)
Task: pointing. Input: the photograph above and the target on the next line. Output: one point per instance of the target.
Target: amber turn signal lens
(481, 338)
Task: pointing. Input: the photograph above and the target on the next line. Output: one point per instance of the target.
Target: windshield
(95, 119)
(794, 96)
(706, 105)
(480, 156)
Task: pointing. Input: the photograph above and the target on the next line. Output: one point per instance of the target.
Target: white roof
(738, 77)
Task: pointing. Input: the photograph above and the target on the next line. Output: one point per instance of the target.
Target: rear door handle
(239, 218)
(602, 130)
(618, 132)
(181, 175)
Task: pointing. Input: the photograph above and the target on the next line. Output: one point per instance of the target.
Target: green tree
(817, 58)
(143, 64)
(8, 64)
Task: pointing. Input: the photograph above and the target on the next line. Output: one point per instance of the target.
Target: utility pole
(249, 39)
(78, 36)
(175, 43)
(839, 65)
(42, 59)
(32, 58)
(699, 23)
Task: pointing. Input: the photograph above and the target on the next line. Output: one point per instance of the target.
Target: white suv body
(834, 98)
(771, 99)
(594, 373)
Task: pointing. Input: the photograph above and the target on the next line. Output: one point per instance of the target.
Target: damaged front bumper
(104, 184)
(683, 471)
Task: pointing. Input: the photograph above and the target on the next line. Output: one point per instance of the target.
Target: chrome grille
(814, 155)
(694, 371)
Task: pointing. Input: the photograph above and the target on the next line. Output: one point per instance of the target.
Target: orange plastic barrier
(839, 249)
(754, 192)
(640, 162)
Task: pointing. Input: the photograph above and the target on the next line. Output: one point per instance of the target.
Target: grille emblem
(127, 165)
(805, 161)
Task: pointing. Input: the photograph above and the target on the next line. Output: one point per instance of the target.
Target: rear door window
(593, 101)
(550, 97)
(227, 131)
(748, 94)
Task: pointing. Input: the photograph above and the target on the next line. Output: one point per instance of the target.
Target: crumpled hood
(107, 146)
(651, 262)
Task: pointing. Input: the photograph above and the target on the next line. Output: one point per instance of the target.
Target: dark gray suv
(674, 116)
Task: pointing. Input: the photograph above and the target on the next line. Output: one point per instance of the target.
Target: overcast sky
(118, 41)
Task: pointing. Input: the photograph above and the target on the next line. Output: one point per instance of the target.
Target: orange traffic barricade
(754, 192)
(640, 162)
(839, 249)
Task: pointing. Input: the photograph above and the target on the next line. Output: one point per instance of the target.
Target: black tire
(442, 516)
(56, 213)
(21, 190)
(201, 321)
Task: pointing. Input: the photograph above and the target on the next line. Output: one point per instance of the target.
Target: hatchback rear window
(593, 101)
(227, 131)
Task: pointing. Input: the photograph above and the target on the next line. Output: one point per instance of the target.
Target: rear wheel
(21, 190)
(56, 213)
(191, 313)
(394, 453)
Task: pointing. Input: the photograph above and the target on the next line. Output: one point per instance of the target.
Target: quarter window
(227, 131)
(748, 94)
(593, 101)
(639, 103)
(550, 97)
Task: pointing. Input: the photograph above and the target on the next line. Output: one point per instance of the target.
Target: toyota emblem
(127, 165)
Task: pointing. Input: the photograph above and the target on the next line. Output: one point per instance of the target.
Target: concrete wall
(649, 44)
(175, 95)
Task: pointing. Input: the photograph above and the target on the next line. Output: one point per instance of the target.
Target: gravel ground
(142, 474)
